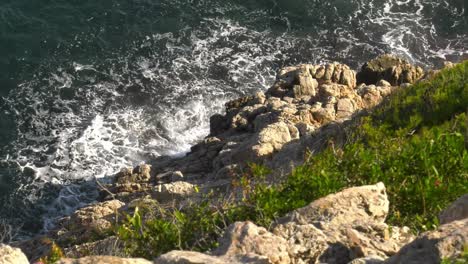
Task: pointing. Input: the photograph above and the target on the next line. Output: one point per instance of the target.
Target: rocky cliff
(307, 109)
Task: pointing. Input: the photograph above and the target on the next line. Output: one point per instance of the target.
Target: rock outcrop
(447, 242)
(335, 229)
(389, 68)
(308, 107)
(10, 255)
(456, 211)
(90, 221)
(284, 121)
(104, 260)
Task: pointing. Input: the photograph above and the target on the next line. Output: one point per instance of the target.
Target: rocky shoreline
(308, 108)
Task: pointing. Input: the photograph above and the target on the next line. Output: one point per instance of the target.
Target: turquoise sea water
(87, 87)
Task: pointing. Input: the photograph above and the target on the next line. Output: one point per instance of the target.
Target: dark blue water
(87, 87)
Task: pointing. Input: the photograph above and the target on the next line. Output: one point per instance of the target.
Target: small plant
(55, 255)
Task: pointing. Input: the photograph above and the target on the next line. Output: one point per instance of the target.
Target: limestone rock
(136, 175)
(104, 260)
(389, 68)
(341, 227)
(243, 238)
(272, 138)
(365, 203)
(175, 191)
(190, 257)
(458, 210)
(447, 242)
(344, 108)
(10, 255)
(91, 220)
(294, 81)
(170, 176)
(187, 257)
(110, 246)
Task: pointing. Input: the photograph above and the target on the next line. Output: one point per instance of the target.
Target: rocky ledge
(346, 227)
(308, 108)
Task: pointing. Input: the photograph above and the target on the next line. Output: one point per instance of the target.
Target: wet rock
(458, 210)
(447, 242)
(10, 255)
(389, 68)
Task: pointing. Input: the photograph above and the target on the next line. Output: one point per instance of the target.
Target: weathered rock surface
(447, 242)
(456, 211)
(244, 238)
(389, 68)
(341, 227)
(285, 121)
(10, 255)
(308, 108)
(90, 221)
(335, 229)
(104, 260)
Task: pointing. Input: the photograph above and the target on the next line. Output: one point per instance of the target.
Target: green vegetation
(415, 142)
(462, 260)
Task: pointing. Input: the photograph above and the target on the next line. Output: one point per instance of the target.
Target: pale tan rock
(458, 210)
(187, 257)
(191, 257)
(447, 242)
(11, 255)
(344, 108)
(91, 220)
(175, 191)
(272, 138)
(364, 203)
(243, 238)
(138, 174)
(104, 260)
(341, 227)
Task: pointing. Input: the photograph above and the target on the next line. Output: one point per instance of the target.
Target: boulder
(174, 191)
(342, 227)
(458, 210)
(139, 174)
(294, 81)
(271, 138)
(389, 68)
(104, 260)
(191, 257)
(364, 203)
(447, 242)
(90, 221)
(187, 257)
(11, 255)
(244, 238)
